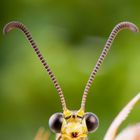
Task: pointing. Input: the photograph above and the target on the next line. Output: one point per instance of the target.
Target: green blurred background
(71, 35)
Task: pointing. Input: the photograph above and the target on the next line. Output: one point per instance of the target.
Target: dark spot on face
(79, 117)
(67, 117)
(74, 134)
(73, 116)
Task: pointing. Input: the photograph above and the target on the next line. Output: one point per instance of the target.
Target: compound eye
(55, 122)
(92, 121)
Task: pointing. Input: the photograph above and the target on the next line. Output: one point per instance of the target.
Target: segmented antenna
(115, 31)
(14, 24)
(111, 132)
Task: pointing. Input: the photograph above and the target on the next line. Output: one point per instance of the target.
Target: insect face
(73, 124)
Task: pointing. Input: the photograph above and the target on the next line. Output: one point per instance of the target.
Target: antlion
(75, 125)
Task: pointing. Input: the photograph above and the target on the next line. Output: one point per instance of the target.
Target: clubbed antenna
(14, 24)
(115, 31)
(111, 132)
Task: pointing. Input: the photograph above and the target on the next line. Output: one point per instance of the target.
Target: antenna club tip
(132, 26)
(9, 26)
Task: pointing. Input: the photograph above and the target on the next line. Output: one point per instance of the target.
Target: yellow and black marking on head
(71, 125)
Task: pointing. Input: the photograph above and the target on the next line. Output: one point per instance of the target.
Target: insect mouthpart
(74, 134)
